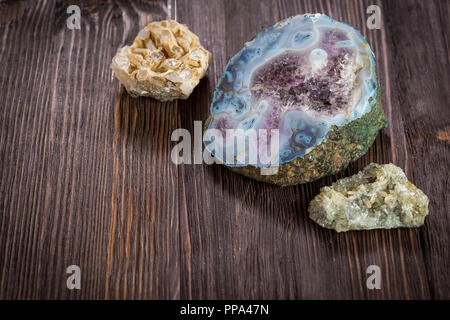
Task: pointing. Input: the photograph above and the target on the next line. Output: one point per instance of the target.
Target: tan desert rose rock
(166, 61)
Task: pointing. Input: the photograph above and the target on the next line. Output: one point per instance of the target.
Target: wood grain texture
(86, 176)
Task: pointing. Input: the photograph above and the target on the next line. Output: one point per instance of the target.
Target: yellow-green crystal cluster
(378, 197)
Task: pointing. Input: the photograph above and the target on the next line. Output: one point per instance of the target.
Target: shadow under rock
(286, 206)
(145, 121)
(196, 107)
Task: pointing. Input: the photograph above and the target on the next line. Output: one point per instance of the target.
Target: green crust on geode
(342, 145)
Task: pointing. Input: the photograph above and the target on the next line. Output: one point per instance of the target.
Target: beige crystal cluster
(380, 196)
(166, 61)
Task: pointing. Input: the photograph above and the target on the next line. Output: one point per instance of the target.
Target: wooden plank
(417, 37)
(262, 243)
(86, 173)
(86, 176)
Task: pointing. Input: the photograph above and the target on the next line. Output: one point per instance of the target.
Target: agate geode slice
(314, 80)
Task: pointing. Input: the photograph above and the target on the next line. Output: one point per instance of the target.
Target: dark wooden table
(86, 177)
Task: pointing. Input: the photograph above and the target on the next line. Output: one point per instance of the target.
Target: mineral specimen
(380, 196)
(311, 78)
(166, 61)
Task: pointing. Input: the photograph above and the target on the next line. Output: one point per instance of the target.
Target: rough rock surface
(311, 78)
(380, 196)
(166, 61)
